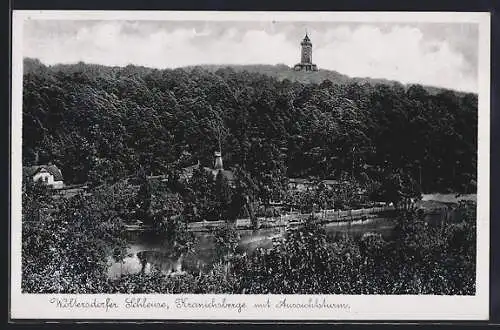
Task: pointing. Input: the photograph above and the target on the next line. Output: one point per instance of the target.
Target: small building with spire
(306, 63)
(218, 168)
(218, 161)
(187, 172)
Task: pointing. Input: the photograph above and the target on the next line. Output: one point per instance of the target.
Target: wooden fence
(295, 218)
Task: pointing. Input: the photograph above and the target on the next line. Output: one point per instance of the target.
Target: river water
(146, 252)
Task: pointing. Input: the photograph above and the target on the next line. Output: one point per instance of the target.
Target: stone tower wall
(306, 54)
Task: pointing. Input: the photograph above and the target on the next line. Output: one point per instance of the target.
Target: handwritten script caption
(203, 303)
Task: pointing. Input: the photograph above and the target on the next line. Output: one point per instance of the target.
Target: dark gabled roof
(187, 172)
(52, 169)
(229, 175)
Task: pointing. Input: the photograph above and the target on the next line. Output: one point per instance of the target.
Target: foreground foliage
(66, 243)
(66, 246)
(417, 260)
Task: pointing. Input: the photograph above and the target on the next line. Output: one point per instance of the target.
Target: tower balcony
(305, 67)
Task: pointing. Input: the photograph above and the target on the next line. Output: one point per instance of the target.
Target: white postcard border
(369, 307)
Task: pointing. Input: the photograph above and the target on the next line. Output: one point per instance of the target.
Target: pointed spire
(306, 38)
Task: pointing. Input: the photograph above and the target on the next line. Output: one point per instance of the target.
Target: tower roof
(306, 39)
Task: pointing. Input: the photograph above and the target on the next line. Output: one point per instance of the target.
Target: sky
(435, 54)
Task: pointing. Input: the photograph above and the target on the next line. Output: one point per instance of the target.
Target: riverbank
(354, 223)
(155, 253)
(437, 201)
(286, 220)
(429, 203)
(449, 198)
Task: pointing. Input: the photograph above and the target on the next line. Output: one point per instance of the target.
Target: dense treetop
(114, 127)
(101, 123)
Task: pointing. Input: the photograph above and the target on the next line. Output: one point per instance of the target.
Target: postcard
(224, 166)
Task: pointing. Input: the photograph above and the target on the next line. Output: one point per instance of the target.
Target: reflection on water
(146, 253)
(356, 229)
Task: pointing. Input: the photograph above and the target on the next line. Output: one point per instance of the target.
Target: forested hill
(278, 71)
(101, 123)
(282, 72)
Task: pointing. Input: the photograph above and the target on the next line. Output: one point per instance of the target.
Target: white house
(47, 174)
